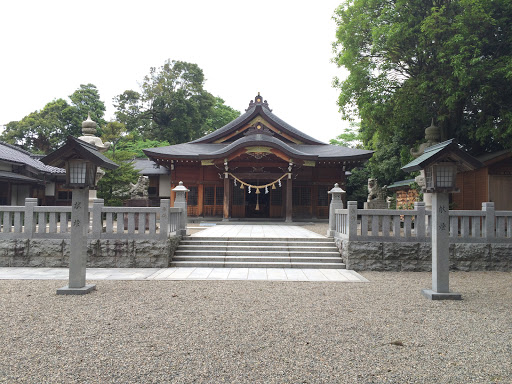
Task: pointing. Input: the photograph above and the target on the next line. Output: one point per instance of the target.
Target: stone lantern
(81, 161)
(440, 163)
(89, 136)
(336, 203)
(181, 202)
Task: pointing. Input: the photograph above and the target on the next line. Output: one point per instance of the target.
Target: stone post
(419, 223)
(181, 202)
(440, 250)
(489, 226)
(336, 203)
(78, 254)
(165, 221)
(30, 222)
(97, 223)
(352, 219)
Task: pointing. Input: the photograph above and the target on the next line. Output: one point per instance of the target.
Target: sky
(281, 48)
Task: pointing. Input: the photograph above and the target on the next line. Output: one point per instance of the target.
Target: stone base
(432, 295)
(76, 291)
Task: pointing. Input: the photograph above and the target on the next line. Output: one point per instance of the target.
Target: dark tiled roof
(204, 150)
(253, 111)
(402, 183)
(74, 145)
(17, 155)
(148, 167)
(16, 177)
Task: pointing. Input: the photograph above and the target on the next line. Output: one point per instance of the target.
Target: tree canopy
(411, 61)
(172, 105)
(45, 130)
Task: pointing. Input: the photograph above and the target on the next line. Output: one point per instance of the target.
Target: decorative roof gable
(258, 116)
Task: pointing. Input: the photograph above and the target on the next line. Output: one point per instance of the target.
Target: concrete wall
(416, 256)
(100, 253)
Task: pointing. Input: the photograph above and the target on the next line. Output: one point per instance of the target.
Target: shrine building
(258, 166)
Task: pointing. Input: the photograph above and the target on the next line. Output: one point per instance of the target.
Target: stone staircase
(254, 252)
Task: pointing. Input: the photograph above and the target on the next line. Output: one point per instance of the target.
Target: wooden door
(500, 191)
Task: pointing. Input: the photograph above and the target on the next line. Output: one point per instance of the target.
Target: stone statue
(376, 196)
(140, 190)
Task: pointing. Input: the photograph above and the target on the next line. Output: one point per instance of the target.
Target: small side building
(492, 182)
(23, 175)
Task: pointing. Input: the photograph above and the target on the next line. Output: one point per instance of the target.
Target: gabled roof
(294, 143)
(148, 167)
(12, 154)
(448, 148)
(77, 146)
(258, 107)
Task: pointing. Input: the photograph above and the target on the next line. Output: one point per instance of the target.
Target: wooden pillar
(226, 212)
(289, 208)
(200, 193)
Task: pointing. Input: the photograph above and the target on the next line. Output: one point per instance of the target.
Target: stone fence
(381, 239)
(33, 235)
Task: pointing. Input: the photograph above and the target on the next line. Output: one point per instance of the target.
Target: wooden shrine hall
(258, 166)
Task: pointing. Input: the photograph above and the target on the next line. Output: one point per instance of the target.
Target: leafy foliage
(411, 61)
(172, 105)
(45, 130)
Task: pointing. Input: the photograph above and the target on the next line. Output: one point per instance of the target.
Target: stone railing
(51, 222)
(389, 240)
(414, 225)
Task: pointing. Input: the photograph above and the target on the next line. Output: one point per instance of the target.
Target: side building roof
(13, 154)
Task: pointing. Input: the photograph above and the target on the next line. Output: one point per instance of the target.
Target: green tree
(86, 100)
(114, 186)
(45, 130)
(41, 131)
(220, 115)
(350, 138)
(411, 61)
(172, 105)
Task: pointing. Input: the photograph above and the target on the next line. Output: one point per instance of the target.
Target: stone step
(270, 244)
(235, 252)
(221, 264)
(259, 239)
(254, 259)
(242, 249)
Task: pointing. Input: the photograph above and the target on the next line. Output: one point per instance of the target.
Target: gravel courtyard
(259, 332)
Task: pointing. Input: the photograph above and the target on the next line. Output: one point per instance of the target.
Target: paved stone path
(269, 274)
(267, 231)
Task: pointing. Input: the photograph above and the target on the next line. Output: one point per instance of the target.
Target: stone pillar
(181, 202)
(489, 225)
(289, 207)
(165, 222)
(336, 203)
(78, 248)
(440, 250)
(30, 222)
(225, 208)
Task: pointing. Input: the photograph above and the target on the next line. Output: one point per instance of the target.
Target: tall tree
(86, 100)
(172, 105)
(41, 131)
(45, 130)
(411, 61)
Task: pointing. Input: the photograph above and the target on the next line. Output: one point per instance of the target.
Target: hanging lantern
(273, 186)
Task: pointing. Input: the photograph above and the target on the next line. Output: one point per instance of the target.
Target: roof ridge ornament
(258, 100)
(258, 128)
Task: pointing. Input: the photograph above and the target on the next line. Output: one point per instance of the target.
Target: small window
(192, 196)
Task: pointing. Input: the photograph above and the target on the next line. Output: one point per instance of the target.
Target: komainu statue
(140, 190)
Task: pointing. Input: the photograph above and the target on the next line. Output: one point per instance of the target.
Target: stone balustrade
(382, 239)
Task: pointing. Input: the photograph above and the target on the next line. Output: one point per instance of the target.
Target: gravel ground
(258, 332)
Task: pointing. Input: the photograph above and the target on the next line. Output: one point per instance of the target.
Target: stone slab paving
(267, 231)
(262, 274)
